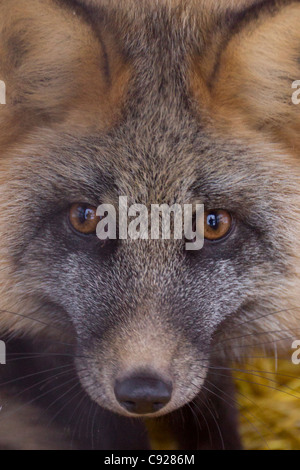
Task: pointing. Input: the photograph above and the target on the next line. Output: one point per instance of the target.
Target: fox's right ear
(55, 66)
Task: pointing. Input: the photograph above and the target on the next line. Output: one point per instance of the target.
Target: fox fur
(161, 101)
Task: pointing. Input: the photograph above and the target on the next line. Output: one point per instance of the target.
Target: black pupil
(213, 221)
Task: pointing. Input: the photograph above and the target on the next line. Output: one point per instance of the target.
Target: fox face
(163, 107)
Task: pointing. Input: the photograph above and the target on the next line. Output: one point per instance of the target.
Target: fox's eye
(83, 218)
(216, 224)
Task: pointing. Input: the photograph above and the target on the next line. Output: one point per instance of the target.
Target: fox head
(162, 102)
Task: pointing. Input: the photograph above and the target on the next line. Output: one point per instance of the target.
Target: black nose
(143, 395)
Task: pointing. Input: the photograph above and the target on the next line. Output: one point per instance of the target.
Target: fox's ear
(251, 81)
(54, 64)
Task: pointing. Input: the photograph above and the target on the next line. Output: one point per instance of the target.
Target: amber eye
(83, 218)
(216, 224)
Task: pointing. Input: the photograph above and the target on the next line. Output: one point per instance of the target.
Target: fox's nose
(143, 395)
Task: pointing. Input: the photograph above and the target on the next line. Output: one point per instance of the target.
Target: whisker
(93, 425)
(262, 385)
(257, 334)
(214, 419)
(65, 404)
(233, 404)
(31, 401)
(255, 345)
(197, 422)
(88, 421)
(255, 371)
(44, 381)
(41, 322)
(250, 401)
(252, 320)
(78, 419)
(23, 377)
(42, 355)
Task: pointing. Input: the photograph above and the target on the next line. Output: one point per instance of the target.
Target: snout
(136, 372)
(144, 394)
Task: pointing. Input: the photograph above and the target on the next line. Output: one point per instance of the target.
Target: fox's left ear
(252, 83)
(57, 68)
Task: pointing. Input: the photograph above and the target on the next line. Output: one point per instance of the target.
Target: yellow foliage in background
(268, 394)
(269, 405)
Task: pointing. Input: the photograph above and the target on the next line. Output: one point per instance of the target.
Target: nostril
(143, 395)
(128, 405)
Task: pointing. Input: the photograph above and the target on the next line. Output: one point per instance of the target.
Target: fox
(162, 102)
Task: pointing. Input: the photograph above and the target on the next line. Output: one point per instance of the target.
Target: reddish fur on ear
(55, 66)
(250, 85)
